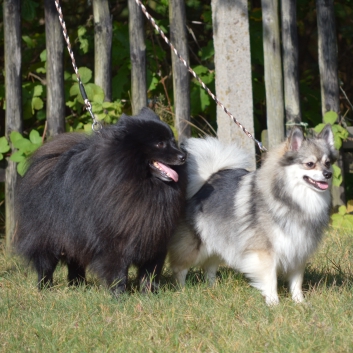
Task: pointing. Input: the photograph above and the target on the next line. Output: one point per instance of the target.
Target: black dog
(106, 201)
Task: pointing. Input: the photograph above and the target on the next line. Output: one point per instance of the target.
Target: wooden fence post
(290, 62)
(233, 71)
(13, 59)
(181, 77)
(55, 70)
(329, 74)
(138, 58)
(102, 46)
(273, 72)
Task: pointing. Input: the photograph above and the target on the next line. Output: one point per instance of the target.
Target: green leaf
(84, 46)
(88, 128)
(43, 56)
(205, 99)
(37, 91)
(337, 175)
(81, 31)
(37, 104)
(207, 52)
(35, 138)
(23, 144)
(41, 115)
(152, 81)
(108, 105)
(17, 156)
(4, 145)
(337, 142)
(15, 136)
(319, 128)
(85, 74)
(22, 167)
(96, 108)
(29, 41)
(200, 69)
(330, 117)
(342, 210)
(75, 90)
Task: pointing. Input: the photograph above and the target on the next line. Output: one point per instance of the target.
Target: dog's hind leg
(295, 279)
(184, 251)
(113, 270)
(45, 265)
(260, 267)
(76, 273)
(180, 276)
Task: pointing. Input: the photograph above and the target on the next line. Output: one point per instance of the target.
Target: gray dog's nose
(327, 174)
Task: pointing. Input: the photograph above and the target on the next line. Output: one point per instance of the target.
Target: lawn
(229, 317)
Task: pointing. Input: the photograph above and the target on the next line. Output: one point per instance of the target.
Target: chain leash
(159, 30)
(96, 125)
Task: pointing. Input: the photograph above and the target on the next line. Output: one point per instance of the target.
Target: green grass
(229, 317)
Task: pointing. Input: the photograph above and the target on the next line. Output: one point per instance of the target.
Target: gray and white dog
(262, 223)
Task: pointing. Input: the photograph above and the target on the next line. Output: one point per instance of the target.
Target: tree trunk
(290, 63)
(13, 59)
(181, 77)
(55, 70)
(273, 72)
(102, 46)
(138, 58)
(329, 74)
(233, 71)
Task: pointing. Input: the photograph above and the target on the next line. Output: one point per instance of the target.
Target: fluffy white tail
(207, 156)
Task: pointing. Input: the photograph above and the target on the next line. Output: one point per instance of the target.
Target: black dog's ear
(295, 139)
(146, 113)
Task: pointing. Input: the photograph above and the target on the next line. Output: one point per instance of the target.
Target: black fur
(96, 201)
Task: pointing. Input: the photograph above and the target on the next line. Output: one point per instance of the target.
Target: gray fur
(262, 223)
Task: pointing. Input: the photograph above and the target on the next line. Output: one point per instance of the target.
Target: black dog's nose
(182, 158)
(327, 174)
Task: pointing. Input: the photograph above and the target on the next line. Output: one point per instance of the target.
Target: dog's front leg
(295, 284)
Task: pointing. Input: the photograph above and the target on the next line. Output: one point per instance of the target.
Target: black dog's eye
(310, 164)
(161, 144)
(327, 164)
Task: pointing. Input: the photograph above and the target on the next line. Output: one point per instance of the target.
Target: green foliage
(25, 147)
(29, 9)
(343, 219)
(84, 44)
(4, 147)
(107, 112)
(199, 97)
(340, 133)
(32, 99)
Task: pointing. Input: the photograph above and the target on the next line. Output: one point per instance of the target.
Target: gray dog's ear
(295, 139)
(327, 135)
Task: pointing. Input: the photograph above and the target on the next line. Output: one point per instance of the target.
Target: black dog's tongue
(170, 172)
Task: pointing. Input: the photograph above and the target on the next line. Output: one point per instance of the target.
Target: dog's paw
(272, 300)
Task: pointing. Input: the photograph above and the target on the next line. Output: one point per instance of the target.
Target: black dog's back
(100, 201)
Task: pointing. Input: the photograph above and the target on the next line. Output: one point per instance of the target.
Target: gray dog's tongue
(170, 172)
(322, 186)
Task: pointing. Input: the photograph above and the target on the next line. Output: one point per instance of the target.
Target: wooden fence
(232, 67)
